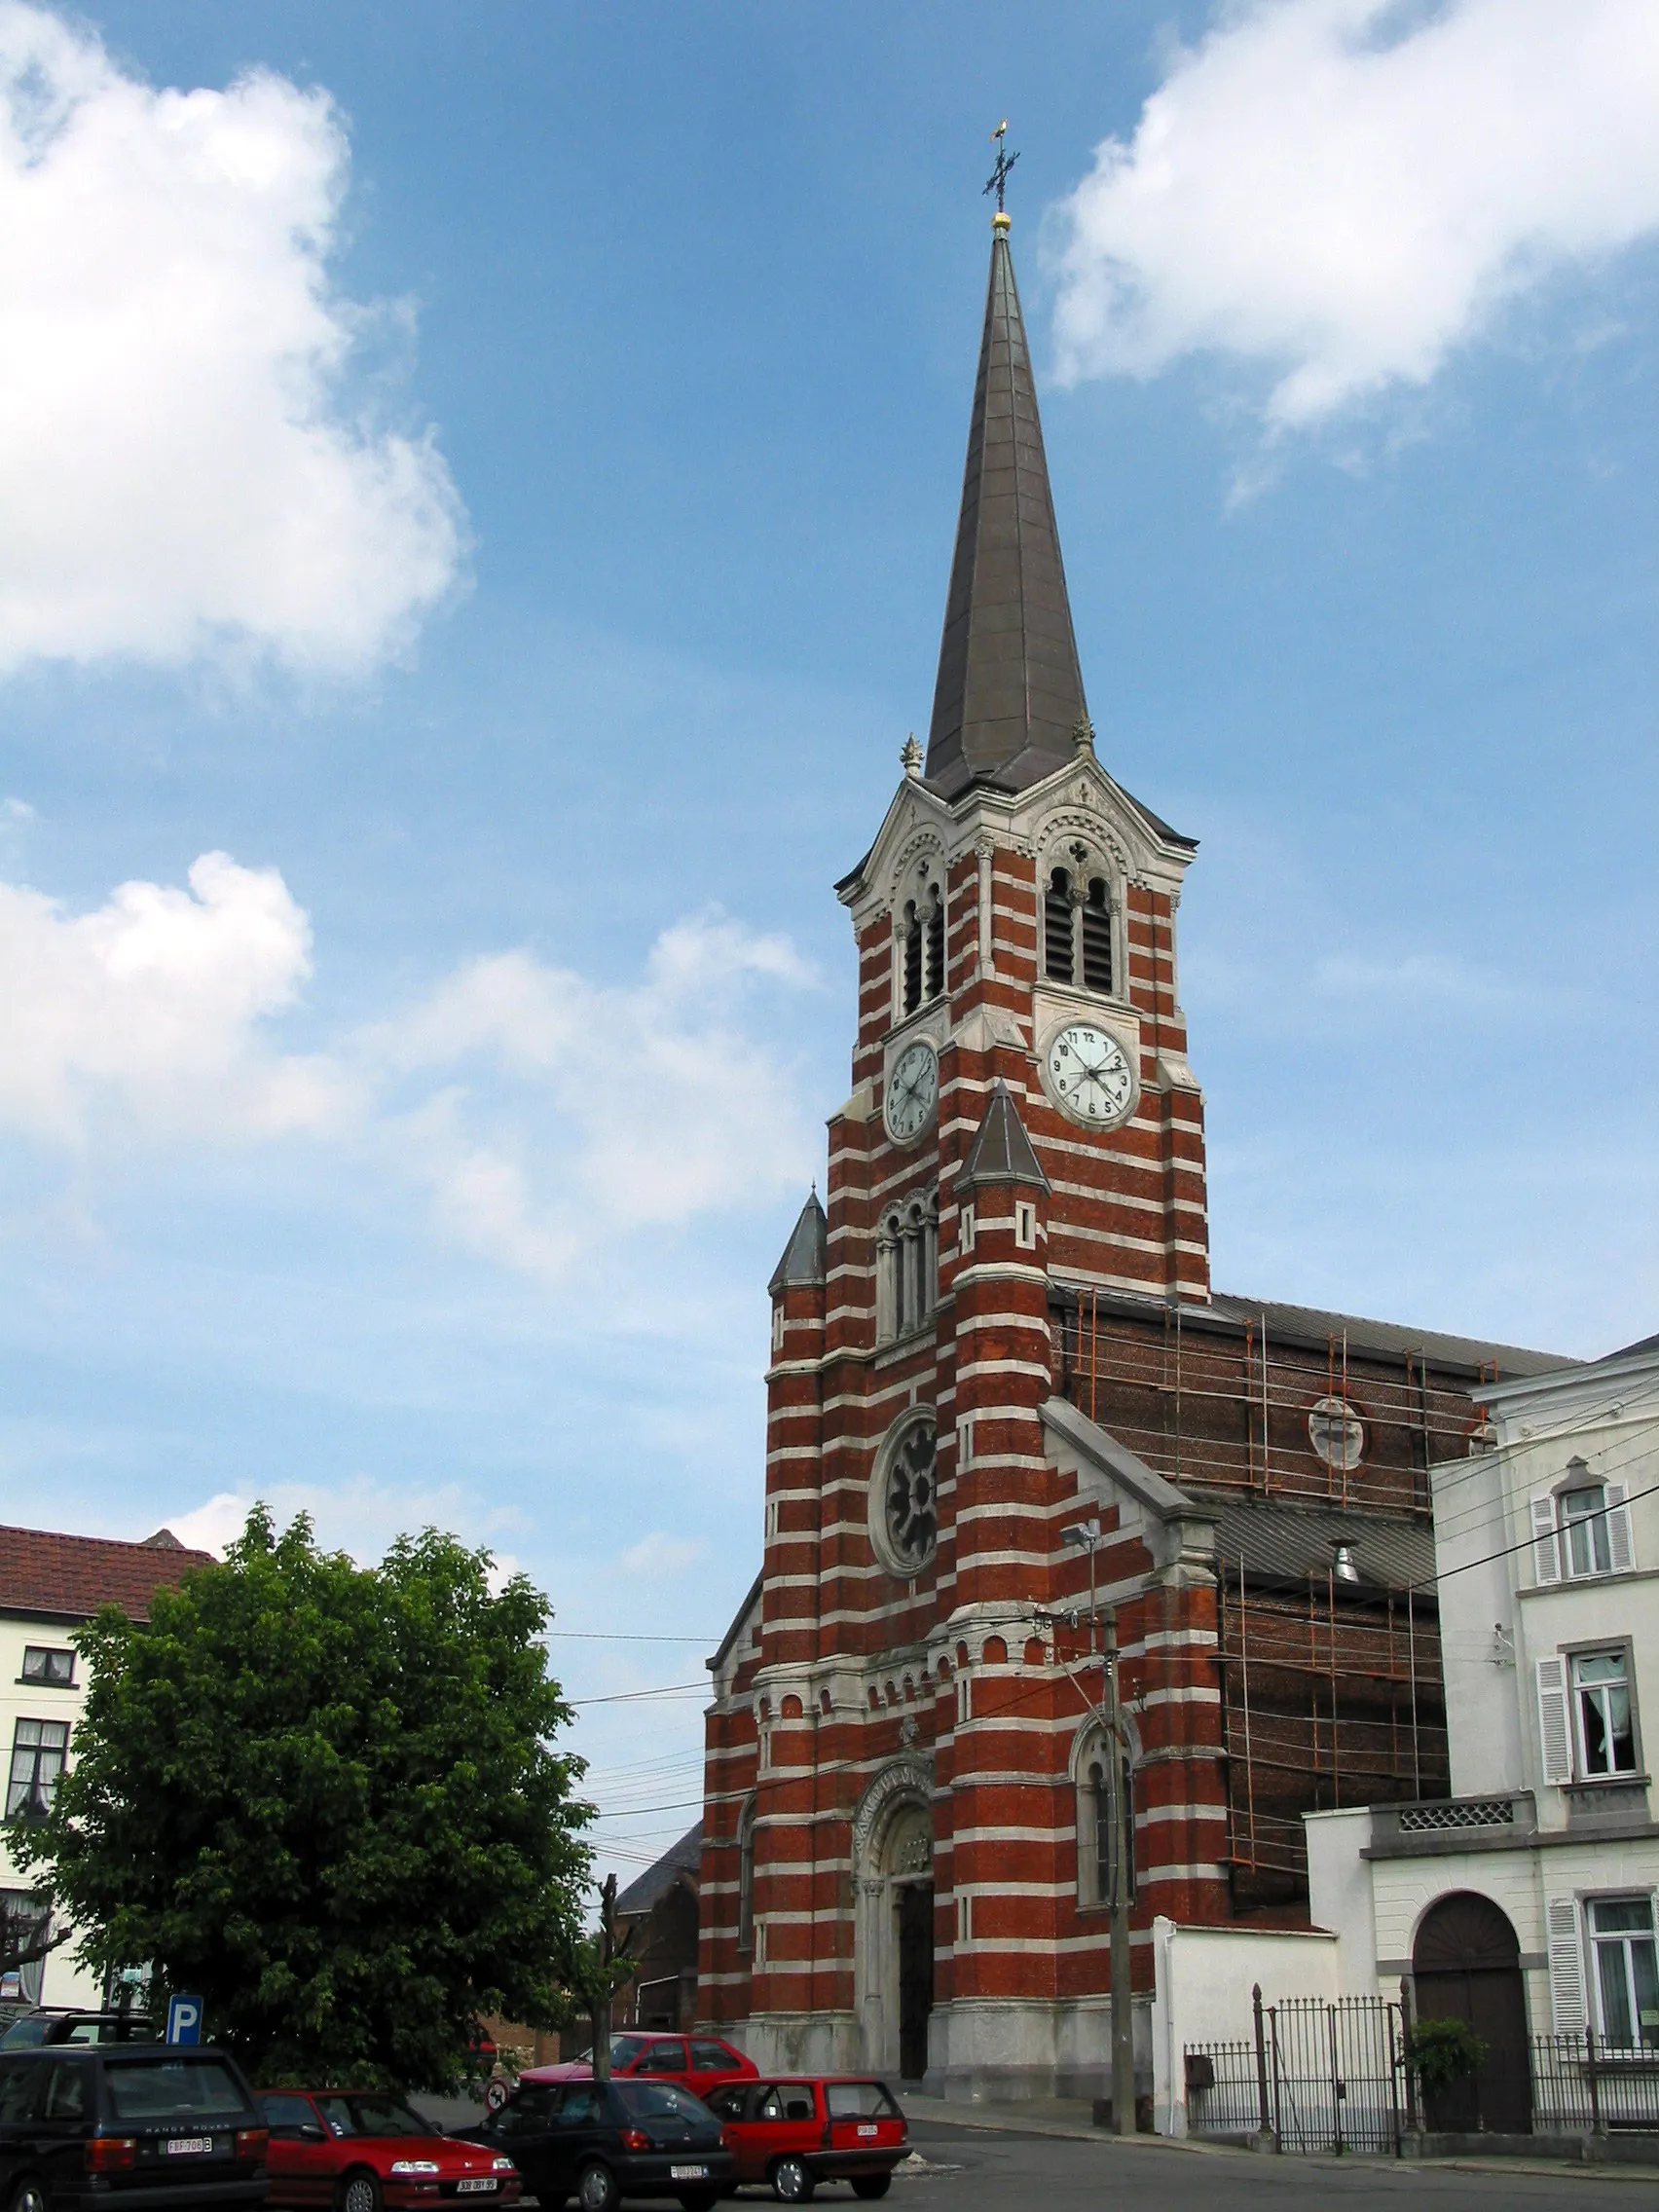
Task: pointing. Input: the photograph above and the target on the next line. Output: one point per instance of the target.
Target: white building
(49, 1586)
(1524, 1904)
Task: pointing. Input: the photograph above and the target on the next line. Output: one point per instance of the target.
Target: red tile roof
(69, 1577)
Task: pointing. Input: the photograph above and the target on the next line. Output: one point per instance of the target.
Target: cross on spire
(997, 181)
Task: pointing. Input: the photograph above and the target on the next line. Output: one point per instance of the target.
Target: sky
(476, 495)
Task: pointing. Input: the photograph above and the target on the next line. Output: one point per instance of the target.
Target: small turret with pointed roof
(1009, 697)
(1001, 1152)
(806, 1255)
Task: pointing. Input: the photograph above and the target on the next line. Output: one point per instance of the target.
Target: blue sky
(493, 481)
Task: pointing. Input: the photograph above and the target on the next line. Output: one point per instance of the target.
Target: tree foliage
(325, 1798)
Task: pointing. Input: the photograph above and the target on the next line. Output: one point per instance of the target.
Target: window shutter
(1620, 1550)
(1546, 1554)
(1566, 1967)
(1552, 1720)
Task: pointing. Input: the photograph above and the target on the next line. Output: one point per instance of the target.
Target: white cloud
(1342, 191)
(180, 469)
(660, 1557)
(360, 1516)
(664, 1105)
(545, 1114)
(155, 1003)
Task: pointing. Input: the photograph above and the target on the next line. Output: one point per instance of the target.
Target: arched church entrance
(1467, 1966)
(894, 1940)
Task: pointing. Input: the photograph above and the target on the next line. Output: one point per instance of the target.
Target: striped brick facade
(899, 1865)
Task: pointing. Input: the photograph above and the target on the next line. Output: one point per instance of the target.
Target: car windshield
(660, 2100)
(860, 2100)
(371, 2116)
(173, 2088)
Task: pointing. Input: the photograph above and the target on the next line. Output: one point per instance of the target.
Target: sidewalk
(1071, 2118)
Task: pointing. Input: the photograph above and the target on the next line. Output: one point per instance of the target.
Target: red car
(698, 2063)
(361, 2150)
(797, 2134)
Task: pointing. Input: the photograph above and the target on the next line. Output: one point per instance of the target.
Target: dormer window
(1077, 930)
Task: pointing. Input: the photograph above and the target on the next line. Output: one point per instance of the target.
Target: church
(1004, 1396)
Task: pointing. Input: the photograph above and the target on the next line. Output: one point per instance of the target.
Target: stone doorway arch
(1467, 1966)
(893, 1936)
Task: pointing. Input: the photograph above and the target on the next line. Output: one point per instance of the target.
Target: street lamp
(1086, 1536)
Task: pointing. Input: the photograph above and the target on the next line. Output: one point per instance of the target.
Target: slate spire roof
(1010, 690)
(806, 1255)
(1002, 1151)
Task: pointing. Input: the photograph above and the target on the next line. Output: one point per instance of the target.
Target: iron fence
(1582, 2086)
(1318, 2076)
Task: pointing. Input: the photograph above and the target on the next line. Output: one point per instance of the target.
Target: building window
(746, 1878)
(907, 1267)
(922, 941)
(1026, 1224)
(965, 1229)
(934, 980)
(1627, 1972)
(1601, 1700)
(38, 1752)
(56, 1667)
(1581, 1530)
(1095, 1864)
(23, 1937)
(1060, 959)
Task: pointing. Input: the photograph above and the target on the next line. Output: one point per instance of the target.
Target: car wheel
(791, 2183)
(597, 2189)
(872, 2185)
(29, 2196)
(360, 2191)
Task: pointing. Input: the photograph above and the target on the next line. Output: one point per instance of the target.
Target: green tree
(325, 1798)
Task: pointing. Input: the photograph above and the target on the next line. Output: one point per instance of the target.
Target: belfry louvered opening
(1059, 955)
(1096, 919)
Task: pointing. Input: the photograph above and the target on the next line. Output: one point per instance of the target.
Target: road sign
(184, 2019)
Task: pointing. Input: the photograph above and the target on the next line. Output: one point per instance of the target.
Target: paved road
(980, 2171)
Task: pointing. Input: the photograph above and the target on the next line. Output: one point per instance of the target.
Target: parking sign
(184, 2019)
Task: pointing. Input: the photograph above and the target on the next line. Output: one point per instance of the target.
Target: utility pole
(1086, 1536)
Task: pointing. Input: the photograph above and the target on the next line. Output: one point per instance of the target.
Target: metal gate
(1315, 2077)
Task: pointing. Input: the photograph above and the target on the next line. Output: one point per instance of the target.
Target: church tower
(1001, 1325)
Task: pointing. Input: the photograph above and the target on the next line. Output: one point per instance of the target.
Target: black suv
(30, 2030)
(601, 2141)
(134, 2127)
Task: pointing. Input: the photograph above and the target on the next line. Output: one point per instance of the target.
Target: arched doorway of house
(893, 1838)
(1467, 1966)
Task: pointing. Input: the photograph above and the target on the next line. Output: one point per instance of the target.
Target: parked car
(360, 2150)
(698, 2063)
(48, 2024)
(604, 2141)
(797, 2134)
(141, 2123)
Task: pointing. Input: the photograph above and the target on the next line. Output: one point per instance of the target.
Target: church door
(1467, 1966)
(915, 1976)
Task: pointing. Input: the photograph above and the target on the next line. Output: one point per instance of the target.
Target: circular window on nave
(1336, 1432)
(904, 1500)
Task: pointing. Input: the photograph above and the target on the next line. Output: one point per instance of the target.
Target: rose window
(909, 1500)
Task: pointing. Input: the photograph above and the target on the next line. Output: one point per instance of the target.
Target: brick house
(1002, 1326)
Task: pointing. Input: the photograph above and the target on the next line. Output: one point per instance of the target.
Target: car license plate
(186, 2146)
(687, 2173)
(869, 2131)
(473, 2188)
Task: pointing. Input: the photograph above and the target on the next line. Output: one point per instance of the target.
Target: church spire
(1009, 704)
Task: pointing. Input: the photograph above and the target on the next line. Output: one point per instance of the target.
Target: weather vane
(997, 181)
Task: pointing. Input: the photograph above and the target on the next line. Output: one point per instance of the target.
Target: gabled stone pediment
(1177, 1529)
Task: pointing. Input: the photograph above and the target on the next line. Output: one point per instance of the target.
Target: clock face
(1090, 1074)
(912, 1091)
